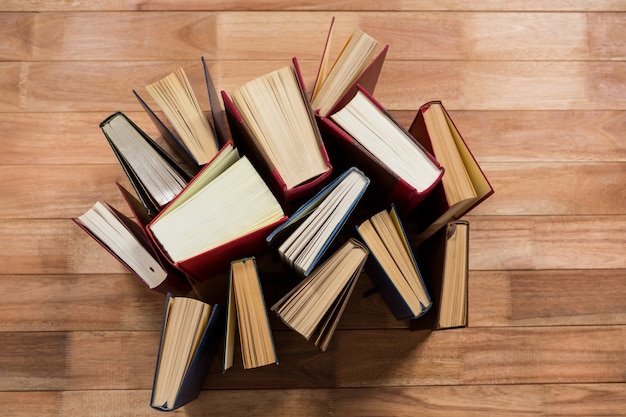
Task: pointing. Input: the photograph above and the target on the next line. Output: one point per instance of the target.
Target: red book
(464, 184)
(253, 144)
(395, 177)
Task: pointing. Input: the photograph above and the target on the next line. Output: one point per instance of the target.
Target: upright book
(463, 185)
(127, 242)
(273, 124)
(313, 308)
(185, 126)
(355, 65)
(392, 266)
(363, 134)
(224, 213)
(190, 336)
(443, 259)
(303, 239)
(154, 174)
(247, 315)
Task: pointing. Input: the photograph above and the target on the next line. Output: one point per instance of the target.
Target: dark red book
(464, 184)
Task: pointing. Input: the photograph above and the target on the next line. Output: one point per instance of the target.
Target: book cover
(433, 256)
(437, 210)
(390, 291)
(283, 232)
(217, 122)
(387, 186)
(201, 360)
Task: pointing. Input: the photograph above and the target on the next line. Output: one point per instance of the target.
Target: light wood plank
(493, 136)
(528, 189)
(470, 36)
(313, 5)
(461, 85)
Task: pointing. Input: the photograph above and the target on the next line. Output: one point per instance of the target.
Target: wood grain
(537, 90)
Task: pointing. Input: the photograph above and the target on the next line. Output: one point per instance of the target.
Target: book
(272, 122)
(315, 305)
(190, 335)
(185, 127)
(155, 176)
(126, 241)
(224, 213)
(443, 259)
(364, 134)
(355, 65)
(392, 266)
(463, 185)
(303, 239)
(247, 315)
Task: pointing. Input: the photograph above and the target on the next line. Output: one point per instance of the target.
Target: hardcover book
(190, 336)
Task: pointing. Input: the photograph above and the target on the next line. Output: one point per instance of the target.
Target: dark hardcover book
(392, 267)
(251, 144)
(202, 335)
(402, 171)
(216, 118)
(137, 152)
(443, 259)
(246, 310)
(303, 239)
(434, 129)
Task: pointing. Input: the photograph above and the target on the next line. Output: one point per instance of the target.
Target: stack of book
(327, 182)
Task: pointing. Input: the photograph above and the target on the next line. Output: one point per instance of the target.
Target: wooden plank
(497, 243)
(507, 400)
(547, 298)
(547, 242)
(224, 36)
(313, 5)
(528, 189)
(493, 136)
(372, 358)
(461, 85)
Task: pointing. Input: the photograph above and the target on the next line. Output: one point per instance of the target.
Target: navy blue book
(190, 336)
(303, 239)
(392, 266)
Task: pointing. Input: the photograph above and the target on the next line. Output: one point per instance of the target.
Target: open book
(224, 213)
(247, 314)
(354, 65)
(362, 133)
(463, 185)
(190, 335)
(306, 235)
(273, 124)
(155, 176)
(185, 126)
(393, 268)
(127, 242)
(316, 304)
(443, 259)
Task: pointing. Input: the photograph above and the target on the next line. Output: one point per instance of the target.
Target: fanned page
(274, 109)
(386, 142)
(454, 284)
(304, 245)
(176, 98)
(354, 57)
(158, 177)
(104, 224)
(234, 204)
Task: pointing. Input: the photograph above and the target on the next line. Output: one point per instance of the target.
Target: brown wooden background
(538, 89)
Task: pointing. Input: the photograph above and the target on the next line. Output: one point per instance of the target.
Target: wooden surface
(538, 89)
